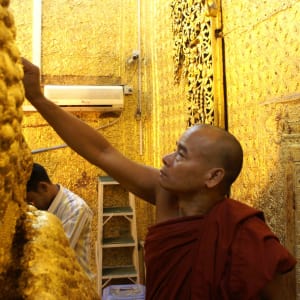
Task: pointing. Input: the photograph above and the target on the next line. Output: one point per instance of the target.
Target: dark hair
(38, 174)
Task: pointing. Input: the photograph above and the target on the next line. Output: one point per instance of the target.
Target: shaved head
(222, 149)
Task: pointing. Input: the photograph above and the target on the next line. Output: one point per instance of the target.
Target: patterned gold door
(197, 33)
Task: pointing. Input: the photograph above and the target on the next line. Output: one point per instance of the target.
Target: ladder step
(108, 180)
(127, 241)
(118, 241)
(114, 211)
(118, 272)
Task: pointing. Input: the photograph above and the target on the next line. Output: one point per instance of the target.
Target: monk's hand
(31, 81)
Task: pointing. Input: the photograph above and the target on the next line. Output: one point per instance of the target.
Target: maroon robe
(230, 253)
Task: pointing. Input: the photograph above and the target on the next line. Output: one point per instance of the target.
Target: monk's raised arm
(89, 143)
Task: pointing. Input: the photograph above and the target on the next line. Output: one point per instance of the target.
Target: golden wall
(263, 95)
(262, 73)
(169, 111)
(90, 41)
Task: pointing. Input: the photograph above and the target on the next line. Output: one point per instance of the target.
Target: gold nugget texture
(36, 261)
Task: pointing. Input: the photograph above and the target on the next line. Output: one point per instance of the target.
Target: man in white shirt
(72, 210)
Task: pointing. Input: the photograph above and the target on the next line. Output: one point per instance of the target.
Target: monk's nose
(168, 159)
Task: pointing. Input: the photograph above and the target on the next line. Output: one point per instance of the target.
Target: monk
(204, 244)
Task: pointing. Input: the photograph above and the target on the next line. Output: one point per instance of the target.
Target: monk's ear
(215, 176)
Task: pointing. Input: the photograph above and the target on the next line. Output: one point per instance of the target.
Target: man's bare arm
(89, 143)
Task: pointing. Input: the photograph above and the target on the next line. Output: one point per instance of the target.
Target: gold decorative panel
(193, 57)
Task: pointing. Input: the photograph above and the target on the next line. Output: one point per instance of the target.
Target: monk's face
(187, 169)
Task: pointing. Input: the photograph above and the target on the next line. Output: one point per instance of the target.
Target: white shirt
(76, 218)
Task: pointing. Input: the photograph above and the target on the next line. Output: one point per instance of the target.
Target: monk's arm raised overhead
(89, 143)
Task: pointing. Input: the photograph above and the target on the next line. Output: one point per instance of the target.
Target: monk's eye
(179, 155)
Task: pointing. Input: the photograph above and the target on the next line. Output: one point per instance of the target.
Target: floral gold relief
(193, 57)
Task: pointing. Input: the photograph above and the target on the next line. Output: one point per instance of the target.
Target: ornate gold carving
(193, 56)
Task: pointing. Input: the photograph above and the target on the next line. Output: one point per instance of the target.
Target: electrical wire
(40, 150)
